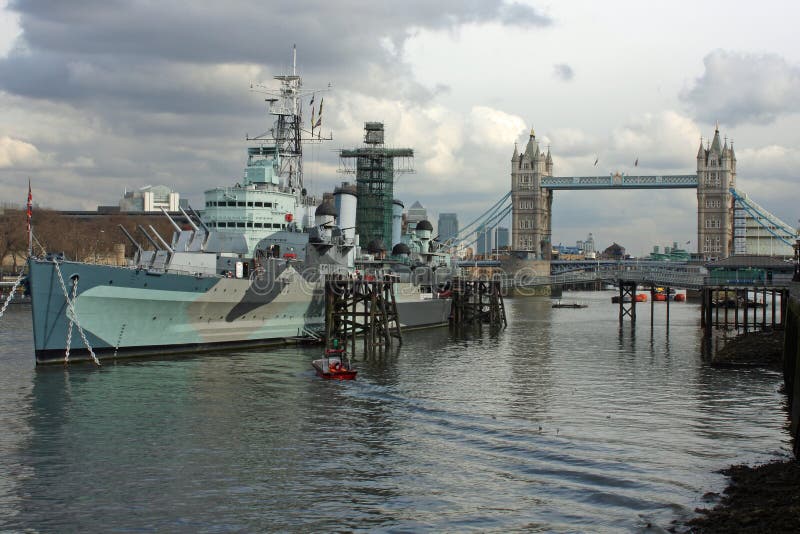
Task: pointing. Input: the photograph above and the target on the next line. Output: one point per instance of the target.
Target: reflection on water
(564, 421)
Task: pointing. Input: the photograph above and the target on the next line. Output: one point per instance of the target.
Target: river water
(561, 422)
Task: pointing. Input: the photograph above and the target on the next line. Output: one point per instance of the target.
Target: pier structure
(478, 302)
(356, 307)
(730, 307)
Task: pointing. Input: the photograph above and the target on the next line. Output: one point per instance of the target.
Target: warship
(247, 272)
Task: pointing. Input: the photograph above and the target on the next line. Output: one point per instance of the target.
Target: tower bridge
(723, 212)
(728, 221)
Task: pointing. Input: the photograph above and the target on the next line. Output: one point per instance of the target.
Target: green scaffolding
(375, 169)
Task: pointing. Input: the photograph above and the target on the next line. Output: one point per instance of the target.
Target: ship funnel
(397, 222)
(345, 200)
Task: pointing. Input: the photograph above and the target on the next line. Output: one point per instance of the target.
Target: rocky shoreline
(753, 349)
(764, 498)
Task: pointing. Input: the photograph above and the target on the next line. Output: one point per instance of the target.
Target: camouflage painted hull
(126, 312)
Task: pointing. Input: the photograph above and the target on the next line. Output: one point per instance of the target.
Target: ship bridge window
(241, 204)
(249, 204)
(239, 224)
(257, 225)
(231, 203)
(249, 224)
(267, 204)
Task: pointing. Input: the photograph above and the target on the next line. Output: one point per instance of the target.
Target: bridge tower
(716, 175)
(531, 204)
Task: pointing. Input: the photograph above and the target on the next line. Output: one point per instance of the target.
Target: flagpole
(29, 212)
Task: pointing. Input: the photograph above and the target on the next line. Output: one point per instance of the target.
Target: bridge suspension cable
(483, 218)
(490, 224)
(772, 224)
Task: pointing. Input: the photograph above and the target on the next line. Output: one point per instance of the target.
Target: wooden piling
(360, 308)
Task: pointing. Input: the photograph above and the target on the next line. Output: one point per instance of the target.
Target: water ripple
(562, 423)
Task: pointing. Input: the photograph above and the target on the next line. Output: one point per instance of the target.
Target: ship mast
(288, 133)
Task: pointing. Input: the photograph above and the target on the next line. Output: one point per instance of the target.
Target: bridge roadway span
(661, 274)
(620, 181)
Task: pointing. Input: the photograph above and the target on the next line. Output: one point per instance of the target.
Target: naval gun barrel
(130, 238)
(152, 242)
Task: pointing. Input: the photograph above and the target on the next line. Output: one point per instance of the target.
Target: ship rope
(71, 322)
(10, 296)
(74, 316)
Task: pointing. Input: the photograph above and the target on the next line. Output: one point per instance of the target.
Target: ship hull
(134, 313)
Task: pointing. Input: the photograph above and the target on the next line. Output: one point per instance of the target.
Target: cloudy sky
(100, 95)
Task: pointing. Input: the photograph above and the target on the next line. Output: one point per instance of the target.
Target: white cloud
(744, 87)
(16, 153)
(9, 28)
(494, 128)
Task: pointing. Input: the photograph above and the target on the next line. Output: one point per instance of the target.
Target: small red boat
(334, 365)
(659, 297)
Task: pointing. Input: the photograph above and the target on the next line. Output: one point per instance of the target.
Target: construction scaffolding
(375, 167)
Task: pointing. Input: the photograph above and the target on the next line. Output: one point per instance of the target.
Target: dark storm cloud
(563, 72)
(115, 37)
(241, 30)
(144, 92)
(742, 87)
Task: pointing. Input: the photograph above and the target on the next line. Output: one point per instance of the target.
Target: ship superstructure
(271, 196)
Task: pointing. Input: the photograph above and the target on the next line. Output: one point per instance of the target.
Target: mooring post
(784, 302)
(708, 311)
(703, 305)
(726, 317)
(667, 308)
(652, 304)
(620, 301)
(746, 318)
(772, 307)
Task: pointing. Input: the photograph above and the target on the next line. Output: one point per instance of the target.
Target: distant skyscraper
(416, 213)
(448, 226)
(501, 237)
(588, 245)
